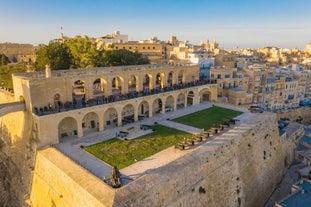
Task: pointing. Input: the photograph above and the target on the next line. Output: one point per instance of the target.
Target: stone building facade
(81, 101)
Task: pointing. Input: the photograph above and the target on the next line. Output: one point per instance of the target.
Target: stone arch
(190, 98)
(117, 84)
(78, 90)
(90, 122)
(169, 103)
(205, 95)
(170, 79)
(147, 82)
(180, 101)
(133, 85)
(99, 87)
(67, 127)
(111, 118)
(157, 106)
(181, 77)
(143, 109)
(128, 114)
(159, 81)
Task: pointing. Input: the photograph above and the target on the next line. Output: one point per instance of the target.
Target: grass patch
(208, 117)
(121, 153)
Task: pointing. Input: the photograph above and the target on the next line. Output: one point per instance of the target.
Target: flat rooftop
(306, 139)
(302, 198)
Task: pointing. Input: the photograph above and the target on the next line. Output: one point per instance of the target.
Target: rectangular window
(227, 75)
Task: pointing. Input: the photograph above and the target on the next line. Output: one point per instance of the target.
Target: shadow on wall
(16, 159)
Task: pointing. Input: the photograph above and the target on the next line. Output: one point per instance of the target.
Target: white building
(116, 37)
(202, 59)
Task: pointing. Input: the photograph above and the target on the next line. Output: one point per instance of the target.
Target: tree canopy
(4, 60)
(124, 57)
(7, 71)
(55, 54)
(84, 53)
(81, 52)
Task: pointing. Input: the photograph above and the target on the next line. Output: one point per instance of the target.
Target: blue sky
(242, 23)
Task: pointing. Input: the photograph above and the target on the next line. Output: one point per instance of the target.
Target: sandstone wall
(239, 168)
(16, 158)
(57, 181)
(5, 96)
(16, 155)
(294, 114)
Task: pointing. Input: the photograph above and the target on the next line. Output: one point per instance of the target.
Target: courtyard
(72, 147)
(122, 153)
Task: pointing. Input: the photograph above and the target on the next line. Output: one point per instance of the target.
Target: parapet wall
(57, 181)
(295, 114)
(238, 168)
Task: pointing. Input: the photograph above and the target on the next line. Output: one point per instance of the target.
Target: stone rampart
(17, 150)
(238, 168)
(57, 181)
(295, 114)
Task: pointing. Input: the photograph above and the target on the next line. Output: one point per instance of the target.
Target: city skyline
(237, 23)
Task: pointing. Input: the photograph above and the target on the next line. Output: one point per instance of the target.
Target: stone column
(185, 99)
(108, 92)
(175, 105)
(120, 118)
(135, 114)
(125, 89)
(150, 110)
(80, 130)
(101, 124)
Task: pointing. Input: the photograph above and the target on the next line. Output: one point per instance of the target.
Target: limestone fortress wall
(238, 168)
(17, 153)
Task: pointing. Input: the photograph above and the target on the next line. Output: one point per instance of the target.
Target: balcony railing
(78, 104)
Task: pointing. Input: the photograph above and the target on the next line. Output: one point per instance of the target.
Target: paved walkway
(71, 147)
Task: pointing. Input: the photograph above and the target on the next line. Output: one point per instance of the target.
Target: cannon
(115, 178)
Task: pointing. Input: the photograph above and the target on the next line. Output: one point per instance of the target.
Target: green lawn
(122, 153)
(208, 117)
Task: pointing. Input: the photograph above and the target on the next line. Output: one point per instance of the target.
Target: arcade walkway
(72, 147)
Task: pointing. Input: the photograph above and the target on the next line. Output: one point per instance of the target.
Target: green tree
(84, 53)
(55, 54)
(7, 71)
(4, 60)
(124, 57)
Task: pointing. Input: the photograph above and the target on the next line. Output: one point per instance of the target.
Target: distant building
(308, 48)
(19, 52)
(301, 195)
(116, 37)
(154, 51)
(204, 60)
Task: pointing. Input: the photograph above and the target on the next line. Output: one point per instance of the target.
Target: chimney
(48, 73)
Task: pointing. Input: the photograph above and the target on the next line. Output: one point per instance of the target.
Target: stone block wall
(295, 114)
(58, 181)
(239, 168)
